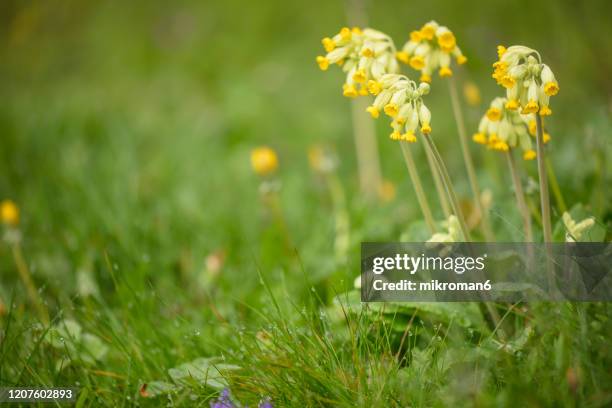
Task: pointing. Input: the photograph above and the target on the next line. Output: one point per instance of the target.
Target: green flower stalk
(529, 85)
(430, 49)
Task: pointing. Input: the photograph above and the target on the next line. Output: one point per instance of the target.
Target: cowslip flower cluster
(502, 128)
(401, 99)
(365, 55)
(430, 49)
(529, 83)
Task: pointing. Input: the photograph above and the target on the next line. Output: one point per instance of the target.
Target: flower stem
(520, 197)
(544, 197)
(449, 187)
(554, 186)
(25, 276)
(418, 188)
(364, 132)
(368, 162)
(469, 164)
(438, 183)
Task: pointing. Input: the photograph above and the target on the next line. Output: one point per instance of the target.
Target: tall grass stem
(24, 274)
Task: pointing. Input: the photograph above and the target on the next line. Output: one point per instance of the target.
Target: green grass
(125, 140)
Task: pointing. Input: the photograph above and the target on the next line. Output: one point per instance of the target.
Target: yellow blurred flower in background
(471, 93)
(264, 160)
(9, 212)
(387, 191)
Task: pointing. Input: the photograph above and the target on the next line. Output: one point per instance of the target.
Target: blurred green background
(126, 129)
(131, 123)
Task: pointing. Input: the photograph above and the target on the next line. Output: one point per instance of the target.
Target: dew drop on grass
(115, 267)
(196, 333)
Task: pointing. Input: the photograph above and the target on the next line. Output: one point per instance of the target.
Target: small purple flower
(224, 401)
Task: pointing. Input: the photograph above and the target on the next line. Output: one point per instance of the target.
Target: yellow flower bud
(328, 44)
(323, 63)
(345, 33)
(403, 56)
(373, 111)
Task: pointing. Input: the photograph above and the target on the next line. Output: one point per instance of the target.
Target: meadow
(152, 263)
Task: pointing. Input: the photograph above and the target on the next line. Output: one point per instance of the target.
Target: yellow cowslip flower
(374, 112)
(9, 213)
(391, 109)
(402, 57)
(350, 91)
(529, 154)
(502, 129)
(328, 44)
(264, 160)
(323, 63)
(545, 111)
(447, 41)
(445, 72)
(417, 62)
(529, 83)
(479, 138)
(430, 49)
(360, 76)
(374, 87)
(364, 55)
(401, 99)
(428, 31)
(512, 104)
(494, 114)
